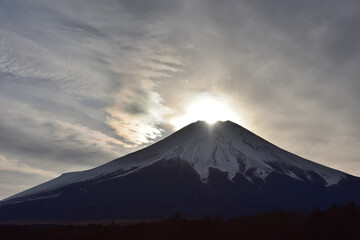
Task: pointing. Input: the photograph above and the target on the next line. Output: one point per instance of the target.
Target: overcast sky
(83, 82)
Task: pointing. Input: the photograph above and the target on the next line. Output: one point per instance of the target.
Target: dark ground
(335, 223)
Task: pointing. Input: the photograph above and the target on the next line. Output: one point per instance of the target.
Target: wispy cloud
(15, 166)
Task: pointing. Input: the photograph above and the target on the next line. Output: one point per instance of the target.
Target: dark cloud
(135, 108)
(82, 28)
(341, 40)
(48, 145)
(167, 64)
(149, 10)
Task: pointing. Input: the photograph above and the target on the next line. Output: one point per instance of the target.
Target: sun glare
(205, 107)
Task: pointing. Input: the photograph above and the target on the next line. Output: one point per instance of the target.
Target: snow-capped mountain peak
(224, 146)
(231, 148)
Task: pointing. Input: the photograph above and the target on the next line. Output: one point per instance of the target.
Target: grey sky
(84, 82)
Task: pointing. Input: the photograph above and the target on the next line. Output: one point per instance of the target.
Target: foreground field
(334, 223)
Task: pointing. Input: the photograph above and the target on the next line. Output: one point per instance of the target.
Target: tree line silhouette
(337, 222)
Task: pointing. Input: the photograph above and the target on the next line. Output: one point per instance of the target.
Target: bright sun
(205, 107)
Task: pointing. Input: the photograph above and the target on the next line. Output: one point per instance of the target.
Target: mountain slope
(201, 170)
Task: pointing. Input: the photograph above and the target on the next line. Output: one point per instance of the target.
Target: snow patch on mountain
(225, 146)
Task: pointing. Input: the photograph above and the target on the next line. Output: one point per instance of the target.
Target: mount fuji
(200, 170)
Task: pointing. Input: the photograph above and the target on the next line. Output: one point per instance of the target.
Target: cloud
(49, 142)
(136, 116)
(83, 82)
(88, 61)
(27, 59)
(15, 166)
